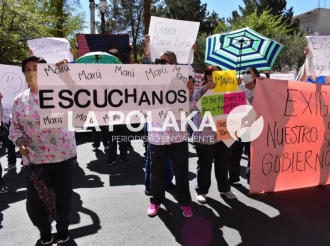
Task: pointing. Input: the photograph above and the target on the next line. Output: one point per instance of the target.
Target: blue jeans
(169, 171)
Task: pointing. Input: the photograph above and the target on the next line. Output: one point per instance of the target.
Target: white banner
(12, 83)
(51, 49)
(173, 35)
(318, 57)
(104, 94)
(283, 76)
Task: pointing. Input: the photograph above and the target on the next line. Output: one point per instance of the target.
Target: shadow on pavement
(120, 173)
(14, 181)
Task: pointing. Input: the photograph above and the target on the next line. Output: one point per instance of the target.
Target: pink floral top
(206, 135)
(48, 145)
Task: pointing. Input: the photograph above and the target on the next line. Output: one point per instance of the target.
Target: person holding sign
(48, 158)
(173, 144)
(208, 148)
(246, 84)
(312, 79)
(3, 189)
(169, 171)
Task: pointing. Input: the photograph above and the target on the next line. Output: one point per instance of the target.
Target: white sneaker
(229, 194)
(201, 198)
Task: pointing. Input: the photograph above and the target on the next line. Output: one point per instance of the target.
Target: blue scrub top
(319, 80)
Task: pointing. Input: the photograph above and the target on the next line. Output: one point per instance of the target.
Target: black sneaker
(170, 187)
(62, 236)
(3, 189)
(9, 167)
(147, 192)
(110, 162)
(46, 237)
(124, 161)
(233, 181)
(130, 147)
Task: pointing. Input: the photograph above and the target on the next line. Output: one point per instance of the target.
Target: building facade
(315, 22)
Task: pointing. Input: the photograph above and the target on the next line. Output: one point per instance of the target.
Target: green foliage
(276, 8)
(126, 17)
(19, 22)
(199, 55)
(266, 23)
(292, 54)
(188, 10)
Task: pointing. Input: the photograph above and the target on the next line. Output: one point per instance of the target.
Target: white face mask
(247, 78)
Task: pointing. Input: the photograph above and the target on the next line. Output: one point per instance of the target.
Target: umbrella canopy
(98, 57)
(241, 49)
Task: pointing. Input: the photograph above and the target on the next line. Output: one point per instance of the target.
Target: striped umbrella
(98, 57)
(240, 49)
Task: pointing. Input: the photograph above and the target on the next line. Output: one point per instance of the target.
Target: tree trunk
(60, 18)
(147, 6)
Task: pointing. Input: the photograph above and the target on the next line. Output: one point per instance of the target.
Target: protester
(168, 143)
(3, 189)
(302, 76)
(169, 171)
(48, 158)
(247, 85)
(96, 136)
(118, 136)
(5, 125)
(208, 148)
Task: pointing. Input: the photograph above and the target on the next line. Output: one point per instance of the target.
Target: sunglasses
(247, 72)
(162, 61)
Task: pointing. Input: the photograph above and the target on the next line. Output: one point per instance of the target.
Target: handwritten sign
(318, 56)
(12, 82)
(173, 35)
(283, 76)
(51, 49)
(110, 94)
(225, 81)
(220, 104)
(223, 130)
(293, 149)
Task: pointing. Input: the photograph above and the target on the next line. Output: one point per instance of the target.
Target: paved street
(109, 208)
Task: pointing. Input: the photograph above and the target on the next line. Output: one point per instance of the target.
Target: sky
(224, 8)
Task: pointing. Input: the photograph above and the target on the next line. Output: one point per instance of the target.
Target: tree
(199, 55)
(266, 24)
(292, 54)
(147, 15)
(276, 8)
(188, 10)
(19, 22)
(66, 18)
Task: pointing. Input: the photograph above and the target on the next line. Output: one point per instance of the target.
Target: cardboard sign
(110, 94)
(318, 57)
(225, 81)
(51, 49)
(293, 149)
(220, 102)
(173, 35)
(224, 127)
(12, 82)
